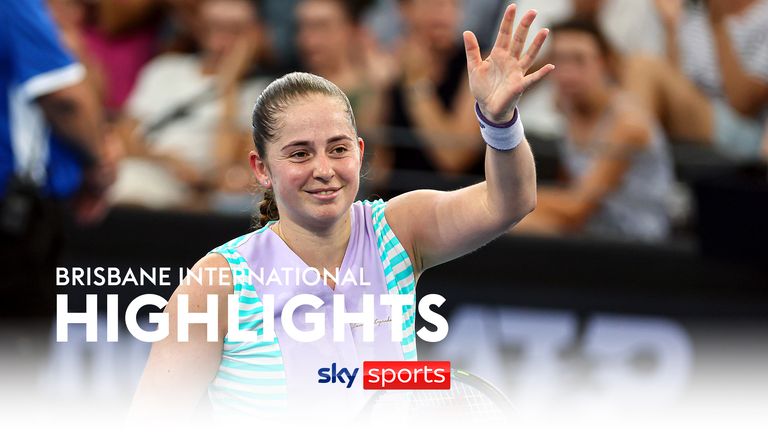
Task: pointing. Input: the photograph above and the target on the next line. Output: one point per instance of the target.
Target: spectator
(714, 86)
(430, 109)
(114, 39)
(329, 42)
(42, 86)
(632, 27)
(69, 16)
(182, 27)
(283, 29)
(385, 21)
(188, 123)
(618, 169)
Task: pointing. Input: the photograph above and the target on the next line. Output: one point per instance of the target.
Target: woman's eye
(299, 155)
(339, 150)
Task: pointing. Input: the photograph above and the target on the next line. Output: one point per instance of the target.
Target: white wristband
(502, 137)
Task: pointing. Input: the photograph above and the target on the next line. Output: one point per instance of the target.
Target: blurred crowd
(177, 80)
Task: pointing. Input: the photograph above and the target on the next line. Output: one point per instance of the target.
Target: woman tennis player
(308, 158)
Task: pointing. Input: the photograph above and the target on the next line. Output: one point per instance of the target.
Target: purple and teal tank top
(270, 376)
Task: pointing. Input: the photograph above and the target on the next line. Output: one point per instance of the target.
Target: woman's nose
(323, 168)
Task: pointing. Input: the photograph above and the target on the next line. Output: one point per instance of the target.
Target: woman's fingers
(507, 51)
(533, 78)
(473, 51)
(504, 39)
(521, 34)
(533, 50)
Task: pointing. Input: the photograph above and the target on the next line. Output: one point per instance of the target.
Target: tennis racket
(471, 400)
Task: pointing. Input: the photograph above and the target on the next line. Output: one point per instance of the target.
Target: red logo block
(407, 375)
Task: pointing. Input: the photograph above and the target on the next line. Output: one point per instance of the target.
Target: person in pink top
(114, 39)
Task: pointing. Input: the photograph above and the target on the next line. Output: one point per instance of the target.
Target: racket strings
(461, 402)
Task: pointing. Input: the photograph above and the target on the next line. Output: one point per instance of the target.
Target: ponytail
(267, 209)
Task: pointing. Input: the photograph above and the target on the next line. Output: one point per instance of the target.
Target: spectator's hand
(381, 68)
(237, 61)
(112, 151)
(185, 172)
(416, 61)
(90, 208)
(498, 81)
(90, 203)
(236, 178)
(670, 12)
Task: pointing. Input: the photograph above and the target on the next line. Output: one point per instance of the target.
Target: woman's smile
(325, 194)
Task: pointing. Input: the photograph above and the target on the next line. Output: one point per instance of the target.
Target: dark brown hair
(268, 120)
(591, 28)
(355, 9)
(581, 25)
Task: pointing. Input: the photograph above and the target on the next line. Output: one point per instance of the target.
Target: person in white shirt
(631, 27)
(713, 86)
(187, 121)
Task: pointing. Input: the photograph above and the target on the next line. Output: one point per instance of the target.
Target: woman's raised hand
(498, 81)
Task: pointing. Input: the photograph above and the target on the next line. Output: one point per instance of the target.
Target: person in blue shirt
(42, 89)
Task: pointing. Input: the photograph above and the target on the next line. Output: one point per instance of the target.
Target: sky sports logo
(392, 375)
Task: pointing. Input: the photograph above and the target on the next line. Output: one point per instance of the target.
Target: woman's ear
(361, 146)
(259, 168)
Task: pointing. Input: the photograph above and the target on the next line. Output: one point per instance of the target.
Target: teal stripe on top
(398, 271)
(251, 376)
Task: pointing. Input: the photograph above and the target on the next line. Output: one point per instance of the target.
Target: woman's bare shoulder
(211, 274)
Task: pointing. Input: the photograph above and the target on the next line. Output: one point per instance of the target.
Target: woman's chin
(327, 212)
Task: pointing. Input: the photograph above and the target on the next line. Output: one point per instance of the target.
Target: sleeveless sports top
(266, 378)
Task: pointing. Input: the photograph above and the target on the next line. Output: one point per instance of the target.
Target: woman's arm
(438, 226)
(178, 373)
